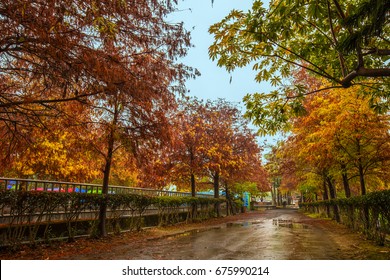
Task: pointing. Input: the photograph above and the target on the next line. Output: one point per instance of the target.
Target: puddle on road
(243, 224)
(182, 234)
(234, 225)
(187, 233)
(288, 224)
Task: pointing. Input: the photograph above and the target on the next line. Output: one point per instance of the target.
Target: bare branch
(47, 101)
(315, 91)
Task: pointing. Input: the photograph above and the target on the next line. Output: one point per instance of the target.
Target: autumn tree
(55, 156)
(283, 168)
(245, 170)
(53, 51)
(49, 53)
(59, 51)
(340, 138)
(49, 149)
(344, 42)
(360, 138)
(211, 144)
(117, 58)
(140, 86)
(229, 147)
(219, 124)
(191, 137)
(156, 162)
(245, 161)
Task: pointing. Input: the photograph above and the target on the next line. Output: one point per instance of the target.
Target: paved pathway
(276, 234)
(280, 234)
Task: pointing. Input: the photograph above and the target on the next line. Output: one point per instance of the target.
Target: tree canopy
(69, 50)
(341, 144)
(109, 67)
(344, 42)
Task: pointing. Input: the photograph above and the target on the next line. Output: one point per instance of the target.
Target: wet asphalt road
(280, 234)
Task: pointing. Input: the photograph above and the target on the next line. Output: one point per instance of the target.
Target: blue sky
(214, 81)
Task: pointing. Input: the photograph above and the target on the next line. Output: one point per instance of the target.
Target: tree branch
(358, 48)
(380, 52)
(46, 101)
(315, 91)
(341, 58)
(364, 72)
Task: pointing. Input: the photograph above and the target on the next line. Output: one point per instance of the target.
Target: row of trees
(339, 147)
(212, 148)
(107, 67)
(205, 145)
(329, 63)
(89, 91)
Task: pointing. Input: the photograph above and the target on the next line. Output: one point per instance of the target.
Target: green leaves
(324, 38)
(29, 210)
(374, 207)
(269, 112)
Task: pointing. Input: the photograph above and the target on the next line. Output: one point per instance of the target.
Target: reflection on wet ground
(288, 223)
(280, 234)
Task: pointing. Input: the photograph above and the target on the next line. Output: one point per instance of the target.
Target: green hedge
(31, 216)
(369, 214)
(169, 208)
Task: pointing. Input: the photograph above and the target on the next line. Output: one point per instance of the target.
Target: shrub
(369, 214)
(28, 216)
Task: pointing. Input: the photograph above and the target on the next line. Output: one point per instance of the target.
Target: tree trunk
(288, 198)
(360, 168)
(332, 192)
(361, 177)
(216, 185)
(216, 194)
(326, 196)
(228, 203)
(103, 206)
(344, 175)
(366, 213)
(193, 187)
(107, 170)
(273, 193)
(194, 209)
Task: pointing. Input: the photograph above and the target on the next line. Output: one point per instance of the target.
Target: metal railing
(26, 221)
(57, 186)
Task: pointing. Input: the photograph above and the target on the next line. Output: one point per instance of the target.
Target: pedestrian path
(281, 234)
